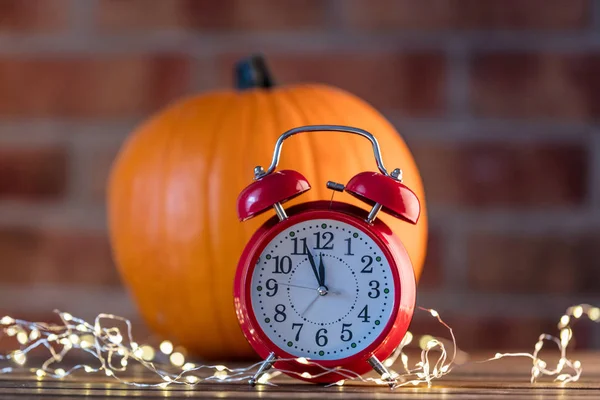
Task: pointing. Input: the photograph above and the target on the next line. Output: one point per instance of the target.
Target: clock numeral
(346, 333)
(302, 246)
(272, 285)
(328, 236)
(299, 326)
(283, 265)
(349, 252)
(364, 314)
(375, 292)
(280, 313)
(320, 338)
(367, 269)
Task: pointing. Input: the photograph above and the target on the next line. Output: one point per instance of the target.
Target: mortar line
(595, 16)
(457, 80)
(594, 172)
(210, 44)
(81, 17)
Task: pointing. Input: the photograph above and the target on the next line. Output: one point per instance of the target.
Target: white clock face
(322, 289)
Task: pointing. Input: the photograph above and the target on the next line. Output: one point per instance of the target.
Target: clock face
(322, 289)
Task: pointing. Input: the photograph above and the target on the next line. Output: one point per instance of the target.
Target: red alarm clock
(325, 281)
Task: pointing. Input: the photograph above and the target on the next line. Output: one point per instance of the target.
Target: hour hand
(311, 259)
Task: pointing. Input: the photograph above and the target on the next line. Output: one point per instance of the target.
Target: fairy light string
(114, 350)
(566, 370)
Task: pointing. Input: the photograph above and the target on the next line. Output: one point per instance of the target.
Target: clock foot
(381, 370)
(264, 367)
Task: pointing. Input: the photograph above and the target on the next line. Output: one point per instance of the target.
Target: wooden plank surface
(497, 379)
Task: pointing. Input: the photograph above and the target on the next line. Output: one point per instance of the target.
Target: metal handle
(259, 172)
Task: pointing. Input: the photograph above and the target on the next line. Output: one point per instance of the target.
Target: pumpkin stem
(252, 72)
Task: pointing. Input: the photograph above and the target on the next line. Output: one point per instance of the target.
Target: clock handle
(383, 191)
(259, 172)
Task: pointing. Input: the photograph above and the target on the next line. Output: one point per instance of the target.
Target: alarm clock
(325, 281)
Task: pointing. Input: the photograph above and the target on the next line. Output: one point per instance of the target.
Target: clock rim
(404, 288)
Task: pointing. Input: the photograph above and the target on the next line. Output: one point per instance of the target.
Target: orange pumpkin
(173, 188)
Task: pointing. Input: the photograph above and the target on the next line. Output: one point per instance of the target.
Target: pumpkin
(173, 186)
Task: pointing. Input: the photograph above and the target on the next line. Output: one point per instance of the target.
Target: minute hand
(321, 270)
(313, 265)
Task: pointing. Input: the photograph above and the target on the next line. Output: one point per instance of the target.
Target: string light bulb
(146, 352)
(594, 314)
(177, 359)
(34, 334)
(19, 357)
(22, 337)
(188, 365)
(166, 347)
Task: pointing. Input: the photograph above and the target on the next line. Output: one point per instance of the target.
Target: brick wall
(499, 101)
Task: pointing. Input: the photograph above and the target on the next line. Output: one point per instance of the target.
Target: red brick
(411, 82)
(468, 14)
(33, 15)
(80, 86)
(61, 257)
(558, 263)
(432, 276)
(496, 333)
(95, 163)
(33, 173)
(527, 85)
(501, 174)
(256, 15)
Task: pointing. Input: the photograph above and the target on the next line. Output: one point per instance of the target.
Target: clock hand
(321, 271)
(298, 286)
(312, 264)
(309, 305)
(307, 287)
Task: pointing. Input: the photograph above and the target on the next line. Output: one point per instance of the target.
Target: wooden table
(493, 380)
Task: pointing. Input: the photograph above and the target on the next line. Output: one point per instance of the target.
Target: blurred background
(499, 101)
